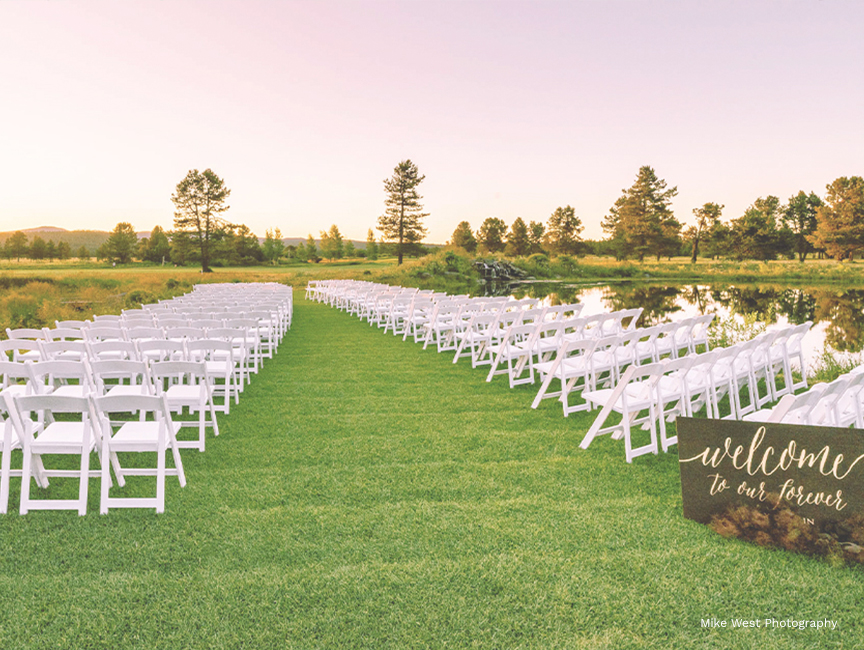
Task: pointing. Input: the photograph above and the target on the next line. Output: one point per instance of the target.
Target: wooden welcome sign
(816, 472)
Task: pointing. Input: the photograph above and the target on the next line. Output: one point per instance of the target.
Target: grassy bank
(367, 494)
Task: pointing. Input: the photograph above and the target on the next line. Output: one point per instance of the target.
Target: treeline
(641, 224)
(18, 245)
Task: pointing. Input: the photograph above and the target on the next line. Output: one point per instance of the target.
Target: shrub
(139, 297)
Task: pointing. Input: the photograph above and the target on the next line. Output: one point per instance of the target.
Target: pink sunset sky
(510, 109)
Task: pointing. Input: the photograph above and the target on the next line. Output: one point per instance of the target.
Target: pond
(837, 312)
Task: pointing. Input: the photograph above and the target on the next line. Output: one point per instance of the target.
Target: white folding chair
(218, 357)
(572, 365)
(40, 434)
(66, 378)
(186, 385)
(634, 398)
(154, 431)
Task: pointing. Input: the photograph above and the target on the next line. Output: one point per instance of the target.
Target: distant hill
(92, 239)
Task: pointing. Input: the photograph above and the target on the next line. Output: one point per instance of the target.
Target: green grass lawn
(368, 494)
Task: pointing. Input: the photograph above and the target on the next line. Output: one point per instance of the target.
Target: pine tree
(536, 234)
(274, 247)
(200, 199)
(490, 237)
(402, 221)
(799, 214)
(122, 243)
(840, 222)
(641, 222)
(311, 249)
(564, 230)
(464, 238)
(706, 219)
(17, 245)
(331, 243)
(371, 246)
(158, 247)
(518, 242)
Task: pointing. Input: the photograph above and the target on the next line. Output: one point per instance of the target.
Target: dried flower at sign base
(840, 542)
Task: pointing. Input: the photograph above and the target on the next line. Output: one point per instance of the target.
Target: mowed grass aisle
(368, 494)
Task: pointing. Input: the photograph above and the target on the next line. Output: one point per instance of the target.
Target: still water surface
(837, 313)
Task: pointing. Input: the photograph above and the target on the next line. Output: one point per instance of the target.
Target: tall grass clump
(828, 364)
(38, 302)
(735, 328)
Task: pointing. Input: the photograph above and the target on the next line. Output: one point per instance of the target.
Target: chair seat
(60, 437)
(14, 390)
(139, 433)
(126, 389)
(73, 390)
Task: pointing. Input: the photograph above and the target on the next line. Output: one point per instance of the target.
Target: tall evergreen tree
(840, 222)
(371, 246)
(490, 237)
(38, 248)
(273, 247)
(402, 221)
(157, 247)
(641, 222)
(518, 242)
(331, 243)
(17, 245)
(755, 234)
(706, 219)
(563, 231)
(122, 243)
(199, 200)
(799, 214)
(464, 238)
(311, 249)
(536, 235)
(64, 251)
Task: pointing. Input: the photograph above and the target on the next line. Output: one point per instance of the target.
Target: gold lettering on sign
(766, 466)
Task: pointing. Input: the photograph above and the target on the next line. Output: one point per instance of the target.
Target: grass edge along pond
(368, 494)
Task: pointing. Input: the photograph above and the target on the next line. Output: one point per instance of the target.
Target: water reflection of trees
(657, 302)
(844, 311)
(555, 293)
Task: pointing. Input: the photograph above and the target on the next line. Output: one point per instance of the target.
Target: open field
(368, 494)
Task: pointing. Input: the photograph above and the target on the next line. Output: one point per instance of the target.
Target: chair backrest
(68, 350)
(20, 347)
(48, 375)
(156, 404)
(188, 371)
(138, 333)
(184, 333)
(13, 373)
(43, 407)
(161, 350)
(125, 371)
(100, 350)
(210, 350)
(72, 324)
(30, 333)
(104, 332)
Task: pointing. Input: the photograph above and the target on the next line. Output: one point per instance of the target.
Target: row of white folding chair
(579, 364)
(85, 426)
(176, 344)
(682, 386)
(835, 404)
(190, 384)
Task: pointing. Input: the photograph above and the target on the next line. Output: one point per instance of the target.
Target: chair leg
(84, 481)
(25, 482)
